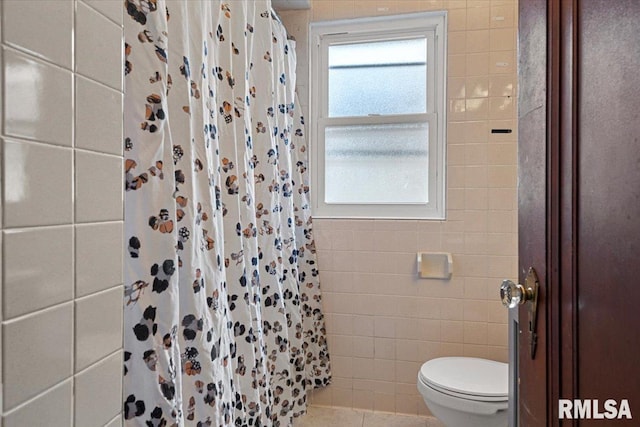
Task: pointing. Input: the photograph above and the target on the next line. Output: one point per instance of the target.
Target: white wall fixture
(435, 265)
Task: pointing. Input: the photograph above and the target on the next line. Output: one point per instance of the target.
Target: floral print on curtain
(223, 321)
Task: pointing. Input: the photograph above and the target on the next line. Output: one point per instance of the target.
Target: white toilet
(466, 391)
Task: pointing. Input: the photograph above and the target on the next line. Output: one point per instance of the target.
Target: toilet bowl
(466, 391)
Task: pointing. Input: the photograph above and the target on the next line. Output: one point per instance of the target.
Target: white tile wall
(98, 117)
(382, 321)
(29, 285)
(36, 194)
(40, 97)
(99, 188)
(61, 214)
(55, 403)
(99, 252)
(96, 41)
(98, 392)
(37, 353)
(53, 27)
(98, 325)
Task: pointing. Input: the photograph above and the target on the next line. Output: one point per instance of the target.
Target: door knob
(513, 294)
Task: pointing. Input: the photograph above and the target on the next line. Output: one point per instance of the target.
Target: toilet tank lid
(468, 375)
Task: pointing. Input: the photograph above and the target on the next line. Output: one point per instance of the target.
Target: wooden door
(579, 204)
(532, 204)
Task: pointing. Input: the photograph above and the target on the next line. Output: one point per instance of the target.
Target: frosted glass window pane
(377, 163)
(387, 77)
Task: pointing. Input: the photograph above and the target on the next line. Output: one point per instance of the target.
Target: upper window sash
(330, 40)
(430, 25)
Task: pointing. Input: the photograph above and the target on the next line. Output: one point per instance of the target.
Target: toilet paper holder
(435, 265)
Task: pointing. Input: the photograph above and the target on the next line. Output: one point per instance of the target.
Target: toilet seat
(467, 378)
(465, 396)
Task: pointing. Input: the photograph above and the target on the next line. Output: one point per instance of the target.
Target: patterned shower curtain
(223, 322)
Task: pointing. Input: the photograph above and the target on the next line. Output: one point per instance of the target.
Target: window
(377, 117)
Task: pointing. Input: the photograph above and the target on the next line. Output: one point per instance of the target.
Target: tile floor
(322, 416)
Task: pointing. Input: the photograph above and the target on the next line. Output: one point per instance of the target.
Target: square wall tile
(502, 153)
(502, 108)
(409, 6)
(477, 109)
(477, 64)
(98, 392)
(342, 397)
(498, 334)
(98, 117)
(475, 333)
(99, 187)
(456, 88)
(342, 366)
(99, 261)
(502, 85)
(363, 347)
(503, 62)
(38, 269)
(406, 372)
(112, 9)
(384, 402)
(477, 41)
(363, 399)
(498, 353)
(37, 353)
(457, 20)
(475, 310)
(478, 18)
(384, 370)
(475, 350)
(456, 4)
(451, 331)
(503, 39)
(321, 396)
(52, 408)
(37, 99)
(37, 184)
(431, 4)
(497, 312)
(41, 27)
(477, 87)
(457, 66)
(456, 44)
(503, 16)
(98, 326)
(362, 325)
(407, 350)
(322, 10)
(99, 47)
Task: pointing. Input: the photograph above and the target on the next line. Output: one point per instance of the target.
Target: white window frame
(432, 26)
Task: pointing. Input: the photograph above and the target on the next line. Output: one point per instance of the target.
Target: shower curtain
(223, 322)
